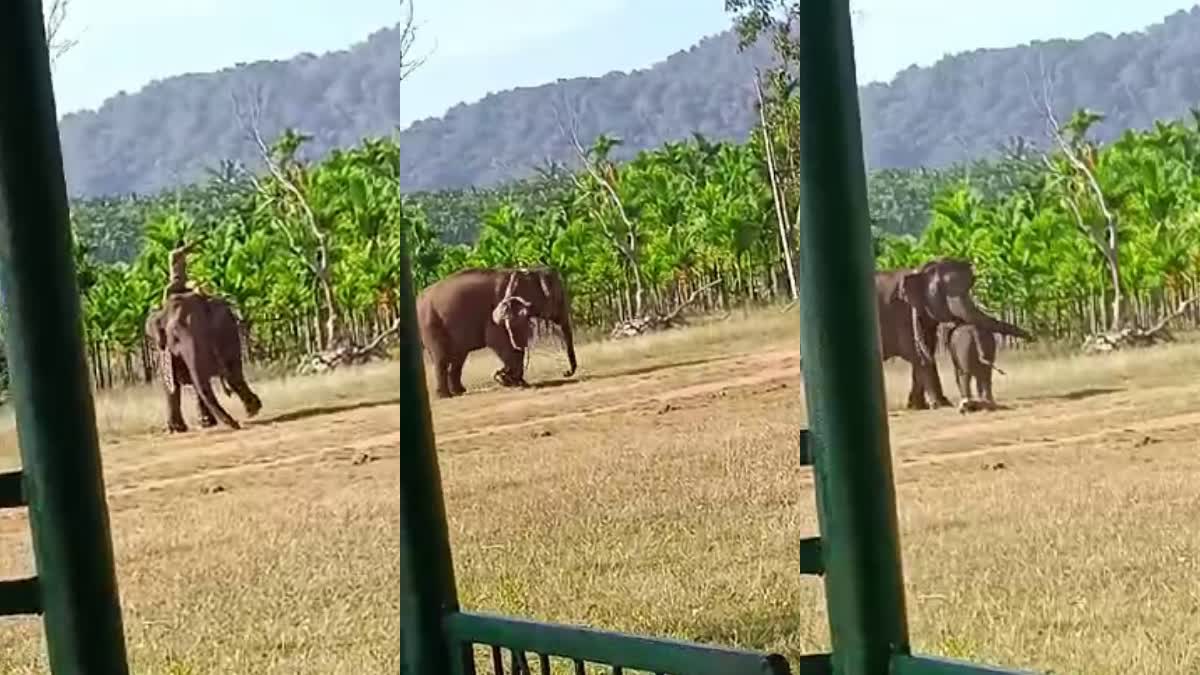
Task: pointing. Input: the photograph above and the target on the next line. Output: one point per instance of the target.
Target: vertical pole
(60, 452)
(427, 588)
(843, 375)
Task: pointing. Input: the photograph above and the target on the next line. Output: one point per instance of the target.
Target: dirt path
(646, 396)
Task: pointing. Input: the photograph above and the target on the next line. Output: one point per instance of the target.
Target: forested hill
(170, 132)
(962, 107)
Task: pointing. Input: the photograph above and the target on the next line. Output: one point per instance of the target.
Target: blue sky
(481, 46)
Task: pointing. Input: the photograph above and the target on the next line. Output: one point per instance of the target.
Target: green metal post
(427, 589)
(60, 453)
(843, 375)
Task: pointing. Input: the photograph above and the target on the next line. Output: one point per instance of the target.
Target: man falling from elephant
(178, 282)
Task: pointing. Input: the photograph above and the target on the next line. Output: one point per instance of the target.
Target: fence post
(427, 587)
(843, 375)
(60, 452)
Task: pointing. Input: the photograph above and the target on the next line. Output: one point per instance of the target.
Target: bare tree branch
(55, 14)
(408, 37)
(777, 193)
(1109, 246)
(318, 262)
(628, 248)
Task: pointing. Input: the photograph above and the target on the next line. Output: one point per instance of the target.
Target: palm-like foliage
(690, 213)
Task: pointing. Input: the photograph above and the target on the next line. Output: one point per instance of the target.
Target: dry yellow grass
(658, 492)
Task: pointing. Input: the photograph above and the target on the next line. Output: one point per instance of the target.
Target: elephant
(197, 338)
(912, 302)
(973, 352)
(455, 318)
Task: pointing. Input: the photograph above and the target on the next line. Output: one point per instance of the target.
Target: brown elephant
(912, 303)
(455, 318)
(973, 352)
(197, 338)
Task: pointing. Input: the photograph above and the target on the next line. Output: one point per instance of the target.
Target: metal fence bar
(60, 452)
(427, 586)
(20, 597)
(12, 492)
(927, 665)
(843, 374)
(606, 647)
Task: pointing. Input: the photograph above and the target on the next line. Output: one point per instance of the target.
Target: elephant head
(512, 314)
(545, 297)
(940, 291)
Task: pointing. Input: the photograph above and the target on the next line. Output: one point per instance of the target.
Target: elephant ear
(913, 290)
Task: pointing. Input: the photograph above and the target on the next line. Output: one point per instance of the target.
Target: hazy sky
(478, 46)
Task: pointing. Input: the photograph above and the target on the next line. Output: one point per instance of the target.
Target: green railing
(62, 485)
(858, 550)
(581, 646)
(60, 481)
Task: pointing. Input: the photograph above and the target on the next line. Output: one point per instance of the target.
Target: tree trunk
(776, 191)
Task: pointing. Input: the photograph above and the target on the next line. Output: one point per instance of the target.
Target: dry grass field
(657, 492)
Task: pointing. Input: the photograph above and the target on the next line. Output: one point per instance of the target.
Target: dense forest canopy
(961, 108)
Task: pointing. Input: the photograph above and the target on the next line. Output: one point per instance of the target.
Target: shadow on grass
(316, 411)
(1081, 394)
(553, 384)
(656, 367)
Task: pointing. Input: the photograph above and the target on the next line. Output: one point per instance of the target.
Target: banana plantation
(1066, 240)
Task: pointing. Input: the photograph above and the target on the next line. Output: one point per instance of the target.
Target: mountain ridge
(962, 106)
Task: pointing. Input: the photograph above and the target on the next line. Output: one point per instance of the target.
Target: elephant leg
(963, 377)
(175, 421)
(933, 385)
(454, 375)
(916, 392)
(984, 382)
(514, 365)
(235, 379)
(441, 369)
(209, 399)
(250, 401)
(201, 373)
(206, 416)
(500, 375)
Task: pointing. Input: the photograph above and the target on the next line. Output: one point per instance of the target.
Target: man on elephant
(178, 282)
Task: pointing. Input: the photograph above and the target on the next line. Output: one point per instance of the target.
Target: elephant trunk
(924, 356)
(554, 289)
(569, 338)
(963, 308)
(564, 322)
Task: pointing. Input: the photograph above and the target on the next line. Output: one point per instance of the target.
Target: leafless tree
(408, 37)
(1106, 238)
(604, 172)
(247, 108)
(55, 13)
(777, 193)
